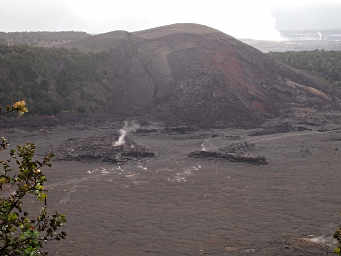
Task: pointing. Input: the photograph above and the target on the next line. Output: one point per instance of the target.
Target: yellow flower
(20, 106)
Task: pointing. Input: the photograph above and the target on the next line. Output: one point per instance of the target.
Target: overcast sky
(258, 19)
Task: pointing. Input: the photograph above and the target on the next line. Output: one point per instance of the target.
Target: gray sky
(317, 16)
(258, 19)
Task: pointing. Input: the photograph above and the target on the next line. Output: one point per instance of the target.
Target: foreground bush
(24, 232)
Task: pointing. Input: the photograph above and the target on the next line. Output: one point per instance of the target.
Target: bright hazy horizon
(260, 19)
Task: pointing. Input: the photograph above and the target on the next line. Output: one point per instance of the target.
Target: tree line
(326, 64)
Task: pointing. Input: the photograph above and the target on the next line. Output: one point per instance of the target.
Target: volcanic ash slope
(198, 74)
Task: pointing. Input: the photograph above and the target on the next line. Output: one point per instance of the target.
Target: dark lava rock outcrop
(235, 152)
(102, 149)
(233, 157)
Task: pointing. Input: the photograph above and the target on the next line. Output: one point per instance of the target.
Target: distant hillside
(300, 40)
(42, 39)
(180, 72)
(326, 64)
(312, 35)
(51, 80)
(300, 45)
(114, 39)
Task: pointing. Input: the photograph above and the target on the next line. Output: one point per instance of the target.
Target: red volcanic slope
(198, 74)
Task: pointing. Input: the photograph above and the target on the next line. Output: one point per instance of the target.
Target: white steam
(322, 240)
(207, 145)
(203, 146)
(127, 128)
(320, 36)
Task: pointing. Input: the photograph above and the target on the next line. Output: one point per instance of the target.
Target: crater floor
(175, 205)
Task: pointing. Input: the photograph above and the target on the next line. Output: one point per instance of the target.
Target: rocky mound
(198, 74)
(233, 157)
(101, 149)
(234, 152)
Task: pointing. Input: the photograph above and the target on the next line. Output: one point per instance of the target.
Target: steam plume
(203, 146)
(127, 128)
(320, 35)
(206, 145)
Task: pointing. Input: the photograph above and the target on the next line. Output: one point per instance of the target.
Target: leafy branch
(21, 176)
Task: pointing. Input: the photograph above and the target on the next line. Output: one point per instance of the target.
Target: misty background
(243, 19)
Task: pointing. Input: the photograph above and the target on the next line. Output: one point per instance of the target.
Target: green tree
(23, 232)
